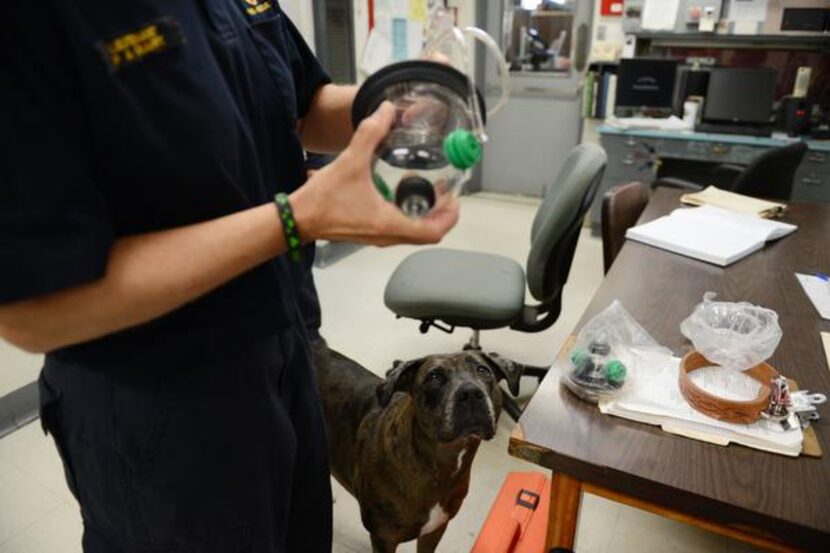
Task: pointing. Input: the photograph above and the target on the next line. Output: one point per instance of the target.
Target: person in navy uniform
(143, 143)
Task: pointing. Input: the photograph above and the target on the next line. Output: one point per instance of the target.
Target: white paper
(653, 396)
(660, 15)
(748, 10)
(818, 291)
(710, 234)
(745, 28)
(400, 8)
(671, 123)
(825, 339)
(415, 39)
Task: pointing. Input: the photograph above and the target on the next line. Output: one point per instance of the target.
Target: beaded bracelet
(289, 225)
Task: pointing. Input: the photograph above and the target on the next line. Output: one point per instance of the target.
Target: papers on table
(653, 397)
(825, 339)
(734, 202)
(818, 290)
(710, 234)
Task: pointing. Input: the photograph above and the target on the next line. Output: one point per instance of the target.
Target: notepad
(654, 397)
(734, 202)
(710, 234)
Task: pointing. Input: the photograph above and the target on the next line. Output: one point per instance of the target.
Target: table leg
(566, 493)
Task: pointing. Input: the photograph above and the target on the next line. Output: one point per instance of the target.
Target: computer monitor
(645, 85)
(740, 96)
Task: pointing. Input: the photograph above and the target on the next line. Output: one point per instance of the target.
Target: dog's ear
(398, 379)
(505, 369)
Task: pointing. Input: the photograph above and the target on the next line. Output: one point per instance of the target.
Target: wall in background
(300, 13)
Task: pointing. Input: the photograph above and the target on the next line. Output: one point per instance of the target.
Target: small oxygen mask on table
(438, 132)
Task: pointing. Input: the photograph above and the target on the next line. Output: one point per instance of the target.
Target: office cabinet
(635, 155)
(812, 180)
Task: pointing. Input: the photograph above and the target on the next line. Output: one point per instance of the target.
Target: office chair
(445, 288)
(770, 175)
(621, 207)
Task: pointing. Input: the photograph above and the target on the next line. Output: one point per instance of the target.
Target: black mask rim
(369, 96)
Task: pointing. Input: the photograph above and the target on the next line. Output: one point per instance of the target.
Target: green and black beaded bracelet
(289, 225)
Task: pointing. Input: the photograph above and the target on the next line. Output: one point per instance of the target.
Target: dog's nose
(469, 392)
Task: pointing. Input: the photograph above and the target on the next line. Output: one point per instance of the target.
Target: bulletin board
(396, 32)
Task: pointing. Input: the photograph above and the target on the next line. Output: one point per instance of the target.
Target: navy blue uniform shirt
(121, 118)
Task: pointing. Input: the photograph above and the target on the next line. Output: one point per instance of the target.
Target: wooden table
(773, 501)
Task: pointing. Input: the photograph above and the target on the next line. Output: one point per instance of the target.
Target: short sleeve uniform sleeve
(54, 227)
(307, 73)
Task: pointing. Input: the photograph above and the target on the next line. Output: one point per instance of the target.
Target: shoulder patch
(133, 47)
(259, 10)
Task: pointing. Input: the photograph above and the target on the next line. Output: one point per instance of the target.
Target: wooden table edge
(567, 489)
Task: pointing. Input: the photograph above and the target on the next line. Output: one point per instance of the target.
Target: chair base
(474, 344)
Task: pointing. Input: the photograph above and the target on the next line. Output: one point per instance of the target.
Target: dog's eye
(436, 377)
(481, 369)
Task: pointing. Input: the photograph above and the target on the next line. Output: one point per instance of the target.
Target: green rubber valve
(382, 187)
(615, 371)
(579, 356)
(462, 149)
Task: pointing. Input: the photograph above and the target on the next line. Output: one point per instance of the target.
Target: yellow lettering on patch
(258, 8)
(134, 46)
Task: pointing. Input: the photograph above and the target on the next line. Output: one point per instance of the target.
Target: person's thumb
(372, 130)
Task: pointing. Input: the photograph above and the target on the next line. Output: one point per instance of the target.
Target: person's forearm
(147, 276)
(152, 274)
(327, 127)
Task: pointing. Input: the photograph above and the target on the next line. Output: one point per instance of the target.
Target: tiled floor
(38, 515)
(17, 368)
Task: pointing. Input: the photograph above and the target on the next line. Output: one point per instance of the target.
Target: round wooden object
(727, 410)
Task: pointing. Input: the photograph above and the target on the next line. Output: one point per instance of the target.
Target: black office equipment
(805, 19)
(690, 82)
(795, 115)
(739, 101)
(645, 87)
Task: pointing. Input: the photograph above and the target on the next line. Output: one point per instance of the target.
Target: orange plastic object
(518, 520)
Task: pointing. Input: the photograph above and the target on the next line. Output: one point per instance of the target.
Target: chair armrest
(672, 182)
(729, 169)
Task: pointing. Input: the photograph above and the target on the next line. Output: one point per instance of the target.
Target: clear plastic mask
(430, 149)
(438, 133)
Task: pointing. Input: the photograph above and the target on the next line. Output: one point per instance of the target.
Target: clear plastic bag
(734, 335)
(600, 364)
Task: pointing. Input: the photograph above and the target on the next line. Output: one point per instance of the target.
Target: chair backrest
(771, 174)
(621, 207)
(555, 229)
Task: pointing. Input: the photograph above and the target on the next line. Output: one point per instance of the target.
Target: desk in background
(770, 500)
(631, 153)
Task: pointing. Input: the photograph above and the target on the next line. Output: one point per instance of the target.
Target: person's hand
(340, 201)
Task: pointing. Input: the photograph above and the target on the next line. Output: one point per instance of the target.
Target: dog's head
(455, 395)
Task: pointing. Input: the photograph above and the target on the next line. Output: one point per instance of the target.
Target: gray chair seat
(477, 290)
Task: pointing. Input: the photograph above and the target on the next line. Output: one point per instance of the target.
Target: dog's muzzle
(471, 413)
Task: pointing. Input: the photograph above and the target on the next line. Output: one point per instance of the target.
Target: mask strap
(457, 36)
(460, 38)
(504, 70)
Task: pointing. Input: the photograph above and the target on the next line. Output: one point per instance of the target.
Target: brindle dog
(403, 446)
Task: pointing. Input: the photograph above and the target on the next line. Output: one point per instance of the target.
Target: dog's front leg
(429, 542)
(379, 545)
